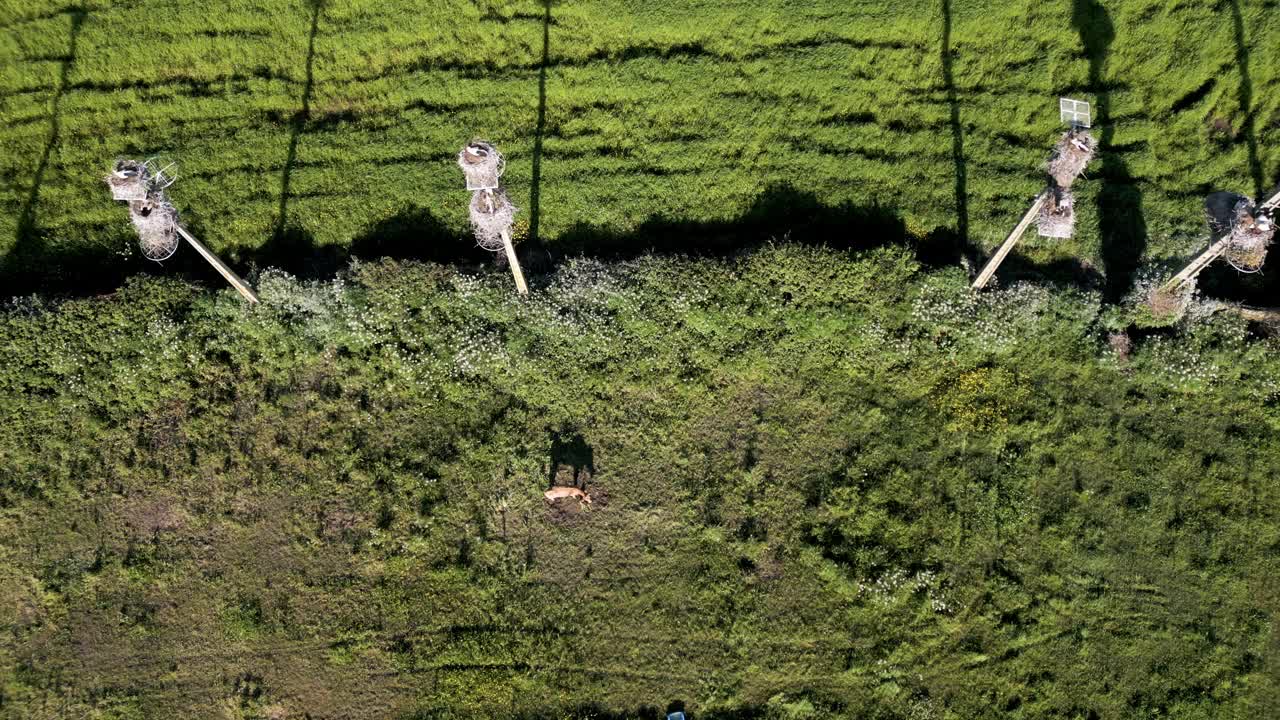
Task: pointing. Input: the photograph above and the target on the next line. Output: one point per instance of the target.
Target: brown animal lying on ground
(556, 493)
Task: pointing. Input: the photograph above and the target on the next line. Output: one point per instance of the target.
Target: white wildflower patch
(899, 586)
(995, 320)
(1179, 365)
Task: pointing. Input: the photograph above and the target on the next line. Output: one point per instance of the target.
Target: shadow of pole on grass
(1246, 101)
(299, 122)
(957, 129)
(27, 235)
(535, 186)
(1121, 225)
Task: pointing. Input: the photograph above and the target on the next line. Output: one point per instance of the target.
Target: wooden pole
(1271, 204)
(236, 282)
(514, 262)
(1200, 263)
(985, 276)
(1265, 315)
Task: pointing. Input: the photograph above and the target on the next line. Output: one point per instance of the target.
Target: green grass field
(310, 129)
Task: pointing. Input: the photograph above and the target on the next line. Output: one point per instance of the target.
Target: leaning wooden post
(1271, 204)
(236, 281)
(1195, 266)
(492, 213)
(514, 262)
(1006, 247)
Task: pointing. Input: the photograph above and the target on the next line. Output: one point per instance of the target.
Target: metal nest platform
(492, 215)
(142, 184)
(156, 221)
(1251, 236)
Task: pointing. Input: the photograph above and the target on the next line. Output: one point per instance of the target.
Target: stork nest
(1071, 156)
(128, 180)
(1250, 238)
(482, 164)
(157, 224)
(1057, 216)
(1170, 304)
(492, 214)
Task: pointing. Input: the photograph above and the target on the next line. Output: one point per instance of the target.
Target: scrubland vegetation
(826, 485)
(827, 481)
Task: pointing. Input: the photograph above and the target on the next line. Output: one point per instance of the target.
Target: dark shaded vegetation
(781, 213)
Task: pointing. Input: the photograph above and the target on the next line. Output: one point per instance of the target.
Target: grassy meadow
(309, 130)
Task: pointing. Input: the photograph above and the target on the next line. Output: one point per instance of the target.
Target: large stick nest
(1250, 237)
(1171, 304)
(1071, 156)
(1057, 215)
(492, 214)
(157, 224)
(482, 164)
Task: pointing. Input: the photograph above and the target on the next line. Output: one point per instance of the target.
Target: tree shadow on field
(1119, 203)
(781, 213)
(298, 123)
(413, 233)
(535, 186)
(1246, 100)
(28, 258)
(957, 128)
(1064, 272)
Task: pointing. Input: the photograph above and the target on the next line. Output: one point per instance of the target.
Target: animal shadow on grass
(571, 452)
(1121, 224)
